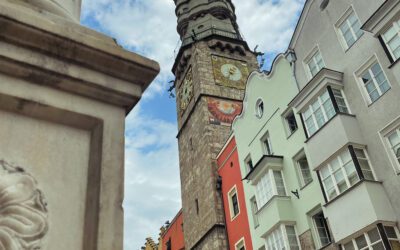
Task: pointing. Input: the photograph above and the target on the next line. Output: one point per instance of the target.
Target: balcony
(360, 206)
(266, 163)
(276, 210)
(341, 130)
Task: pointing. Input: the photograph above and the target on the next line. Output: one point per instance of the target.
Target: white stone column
(70, 9)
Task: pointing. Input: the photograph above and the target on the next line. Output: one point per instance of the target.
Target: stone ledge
(79, 46)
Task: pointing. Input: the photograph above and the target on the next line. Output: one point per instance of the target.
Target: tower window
(197, 206)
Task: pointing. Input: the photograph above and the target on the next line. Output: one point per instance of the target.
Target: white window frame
(259, 111)
(269, 174)
(247, 164)
(396, 26)
(266, 142)
(240, 243)
(367, 66)
(296, 160)
(285, 239)
(254, 210)
(324, 113)
(315, 230)
(345, 99)
(343, 171)
(340, 22)
(384, 134)
(311, 56)
(397, 131)
(231, 193)
(368, 240)
(285, 116)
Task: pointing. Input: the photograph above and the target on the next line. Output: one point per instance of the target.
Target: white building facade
(348, 76)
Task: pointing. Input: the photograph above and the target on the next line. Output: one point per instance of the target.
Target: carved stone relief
(23, 212)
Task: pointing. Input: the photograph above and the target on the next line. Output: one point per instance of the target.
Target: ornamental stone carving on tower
(23, 210)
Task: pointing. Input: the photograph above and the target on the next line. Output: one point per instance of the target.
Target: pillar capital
(69, 9)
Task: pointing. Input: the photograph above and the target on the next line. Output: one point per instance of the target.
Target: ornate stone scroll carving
(23, 212)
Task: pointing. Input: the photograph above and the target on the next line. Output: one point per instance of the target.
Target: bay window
(323, 108)
(375, 238)
(284, 237)
(344, 171)
(391, 38)
(270, 185)
(394, 142)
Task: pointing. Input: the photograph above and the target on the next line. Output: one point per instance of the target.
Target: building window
(266, 141)
(269, 185)
(393, 236)
(240, 245)
(391, 39)
(315, 62)
(249, 164)
(394, 142)
(373, 239)
(321, 228)
(322, 110)
(344, 171)
(349, 28)
(291, 123)
(233, 202)
(374, 82)
(254, 210)
(259, 108)
(303, 170)
(284, 237)
(340, 100)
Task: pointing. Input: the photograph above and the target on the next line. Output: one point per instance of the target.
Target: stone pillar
(64, 93)
(70, 9)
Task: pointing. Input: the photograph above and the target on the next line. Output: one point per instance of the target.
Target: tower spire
(211, 71)
(202, 18)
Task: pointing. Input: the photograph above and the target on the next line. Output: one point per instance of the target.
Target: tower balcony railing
(209, 32)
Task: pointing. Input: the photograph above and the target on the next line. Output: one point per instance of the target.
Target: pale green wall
(276, 89)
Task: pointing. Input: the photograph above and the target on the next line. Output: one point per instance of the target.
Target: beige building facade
(64, 93)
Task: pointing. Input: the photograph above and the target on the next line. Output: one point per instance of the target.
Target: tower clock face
(186, 92)
(229, 72)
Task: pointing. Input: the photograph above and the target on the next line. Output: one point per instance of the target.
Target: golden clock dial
(230, 72)
(186, 92)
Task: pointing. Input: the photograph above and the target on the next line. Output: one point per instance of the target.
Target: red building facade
(236, 218)
(173, 237)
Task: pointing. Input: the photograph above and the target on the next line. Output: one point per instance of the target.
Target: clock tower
(211, 71)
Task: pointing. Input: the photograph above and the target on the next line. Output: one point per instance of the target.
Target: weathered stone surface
(23, 211)
(64, 93)
(199, 144)
(306, 241)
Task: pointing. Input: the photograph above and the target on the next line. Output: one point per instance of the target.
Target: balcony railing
(209, 32)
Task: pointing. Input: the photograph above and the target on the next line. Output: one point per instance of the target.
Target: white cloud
(152, 193)
(152, 186)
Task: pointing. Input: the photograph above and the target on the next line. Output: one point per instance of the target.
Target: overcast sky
(148, 27)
